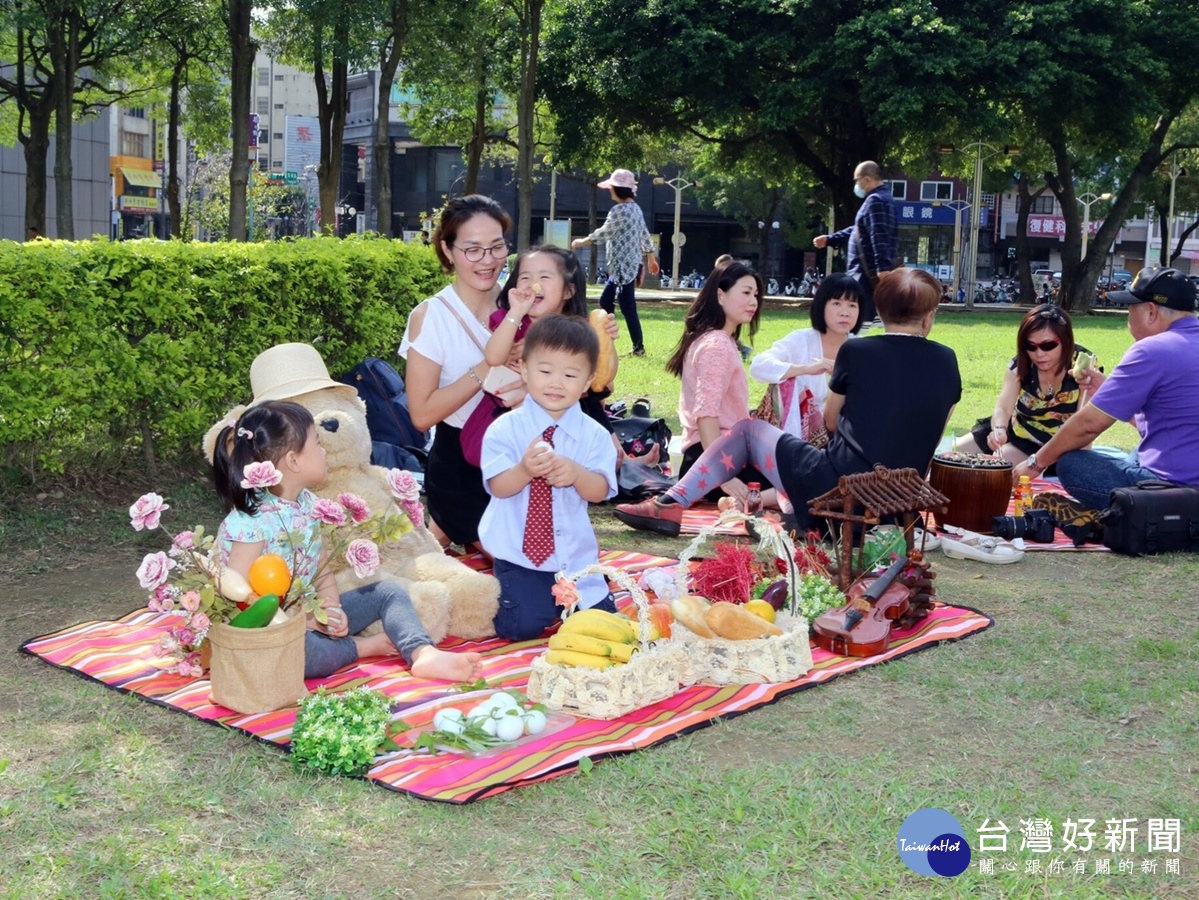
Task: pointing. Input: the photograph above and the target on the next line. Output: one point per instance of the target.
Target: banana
(599, 624)
(574, 658)
(584, 643)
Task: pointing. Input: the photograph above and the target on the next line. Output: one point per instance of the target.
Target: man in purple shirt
(1155, 386)
(871, 241)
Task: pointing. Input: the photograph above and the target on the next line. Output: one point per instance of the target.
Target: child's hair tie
(245, 432)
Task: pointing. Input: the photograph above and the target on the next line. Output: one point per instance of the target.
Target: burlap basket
(257, 670)
(657, 670)
(770, 659)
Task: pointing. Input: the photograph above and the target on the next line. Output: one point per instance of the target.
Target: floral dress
(288, 529)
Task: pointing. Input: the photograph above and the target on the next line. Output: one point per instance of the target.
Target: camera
(1035, 525)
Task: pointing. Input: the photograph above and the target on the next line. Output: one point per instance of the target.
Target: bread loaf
(690, 612)
(605, 367)
(736, 623)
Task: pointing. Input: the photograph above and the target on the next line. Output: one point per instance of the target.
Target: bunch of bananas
(593, 638)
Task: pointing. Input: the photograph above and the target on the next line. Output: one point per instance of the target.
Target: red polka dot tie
(539, 525)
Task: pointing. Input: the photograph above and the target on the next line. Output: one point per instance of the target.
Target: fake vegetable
(258, 614)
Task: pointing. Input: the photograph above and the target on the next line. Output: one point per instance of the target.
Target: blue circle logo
(932, 842)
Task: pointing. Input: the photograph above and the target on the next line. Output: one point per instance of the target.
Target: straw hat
(289, 370)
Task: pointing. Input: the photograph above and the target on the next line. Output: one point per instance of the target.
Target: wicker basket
(655, 672)
(772, 659)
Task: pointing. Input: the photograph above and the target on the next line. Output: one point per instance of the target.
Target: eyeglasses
(1044, 346)
(1052, 312)
(474, 254)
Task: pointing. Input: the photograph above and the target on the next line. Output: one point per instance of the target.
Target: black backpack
(387, 418)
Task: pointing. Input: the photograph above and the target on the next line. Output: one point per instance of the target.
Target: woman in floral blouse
(628, 243)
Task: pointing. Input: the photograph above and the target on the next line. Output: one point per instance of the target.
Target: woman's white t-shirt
(444, 341)
(799, 348)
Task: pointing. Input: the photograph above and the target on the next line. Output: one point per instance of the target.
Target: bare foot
(375, 645)
(442, 665)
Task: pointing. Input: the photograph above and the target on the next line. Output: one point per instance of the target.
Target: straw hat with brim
(621, 178)
(290, 370)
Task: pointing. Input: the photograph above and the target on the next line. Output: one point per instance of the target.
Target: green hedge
(111, 350)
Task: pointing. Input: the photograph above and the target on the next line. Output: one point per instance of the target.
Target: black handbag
(639, 434)
(1152, 517)
(635, 481)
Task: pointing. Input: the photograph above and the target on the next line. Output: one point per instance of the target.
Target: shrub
(112, 349)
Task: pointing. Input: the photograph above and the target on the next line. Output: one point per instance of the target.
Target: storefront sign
(138, 204)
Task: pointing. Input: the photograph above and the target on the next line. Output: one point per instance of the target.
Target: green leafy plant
(815, 594)
(341, 734)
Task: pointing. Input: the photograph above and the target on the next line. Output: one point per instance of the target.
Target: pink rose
(328, 512)
(190, 601)
(201, 622)
(146, 512)
(154, 570)
(363, 556)
(415, 512)
(186, 637)
(164, 592)
(190, 667)
(260, 475)
(355, 506)
(403, 485)
(185, 540)
(154, 604)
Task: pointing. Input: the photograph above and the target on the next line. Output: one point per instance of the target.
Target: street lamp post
(958, 207)
(1175, 171)
(1086, 200)
(677, 240)
(976, 200)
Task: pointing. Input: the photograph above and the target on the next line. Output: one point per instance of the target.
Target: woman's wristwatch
(1032, 463)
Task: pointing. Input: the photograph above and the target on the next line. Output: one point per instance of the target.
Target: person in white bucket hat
(286, 371)
(628, 243)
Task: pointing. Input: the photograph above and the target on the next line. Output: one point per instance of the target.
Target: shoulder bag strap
(462, 322)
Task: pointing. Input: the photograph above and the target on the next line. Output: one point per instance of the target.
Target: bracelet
(471, 373)
(515, 324)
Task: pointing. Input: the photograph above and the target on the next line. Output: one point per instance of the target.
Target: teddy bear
(449, 596)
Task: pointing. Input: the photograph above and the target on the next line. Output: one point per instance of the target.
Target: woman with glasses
(1038, 393)
(443, 345)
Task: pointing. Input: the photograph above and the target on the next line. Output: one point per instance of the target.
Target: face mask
(859, 191)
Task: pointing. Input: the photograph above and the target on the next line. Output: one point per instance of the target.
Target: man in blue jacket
(872, 238)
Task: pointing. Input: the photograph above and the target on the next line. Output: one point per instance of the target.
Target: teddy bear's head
(297, 373)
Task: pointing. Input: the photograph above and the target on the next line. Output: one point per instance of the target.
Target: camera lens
(1007, 527)
(1038, 526)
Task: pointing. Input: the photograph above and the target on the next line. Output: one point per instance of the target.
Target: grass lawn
(1079, 704)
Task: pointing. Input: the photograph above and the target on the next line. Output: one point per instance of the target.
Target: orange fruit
(662, 618)
(761, 608)
(269, 575)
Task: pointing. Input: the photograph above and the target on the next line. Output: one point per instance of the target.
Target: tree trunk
(331, 110)
(389, 62)
(173, 205)
(1024, 199)
(525, 109)
(64, 52)
(478, 140)
(36, 146)
(241, 81)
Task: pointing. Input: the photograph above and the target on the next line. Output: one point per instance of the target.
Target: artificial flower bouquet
(189, 580)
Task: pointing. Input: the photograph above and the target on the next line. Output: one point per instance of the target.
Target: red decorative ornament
(730, 575)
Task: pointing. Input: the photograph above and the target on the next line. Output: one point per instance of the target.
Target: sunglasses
(1044, 346)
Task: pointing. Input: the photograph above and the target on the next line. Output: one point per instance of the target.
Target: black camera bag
(1152, 517)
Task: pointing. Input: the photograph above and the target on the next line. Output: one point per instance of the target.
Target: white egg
(509, 728)
(534, 720)
(490, 726)
(502, 701)
(450, 720)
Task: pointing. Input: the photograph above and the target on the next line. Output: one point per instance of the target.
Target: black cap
(1165, 287)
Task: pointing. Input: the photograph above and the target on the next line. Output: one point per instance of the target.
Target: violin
(863, 626)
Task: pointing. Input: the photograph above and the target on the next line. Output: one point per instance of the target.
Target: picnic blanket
(119, 654)
(703, 514)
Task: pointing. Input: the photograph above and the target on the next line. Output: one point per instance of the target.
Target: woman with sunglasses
(1038, 395)
(443, 345)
